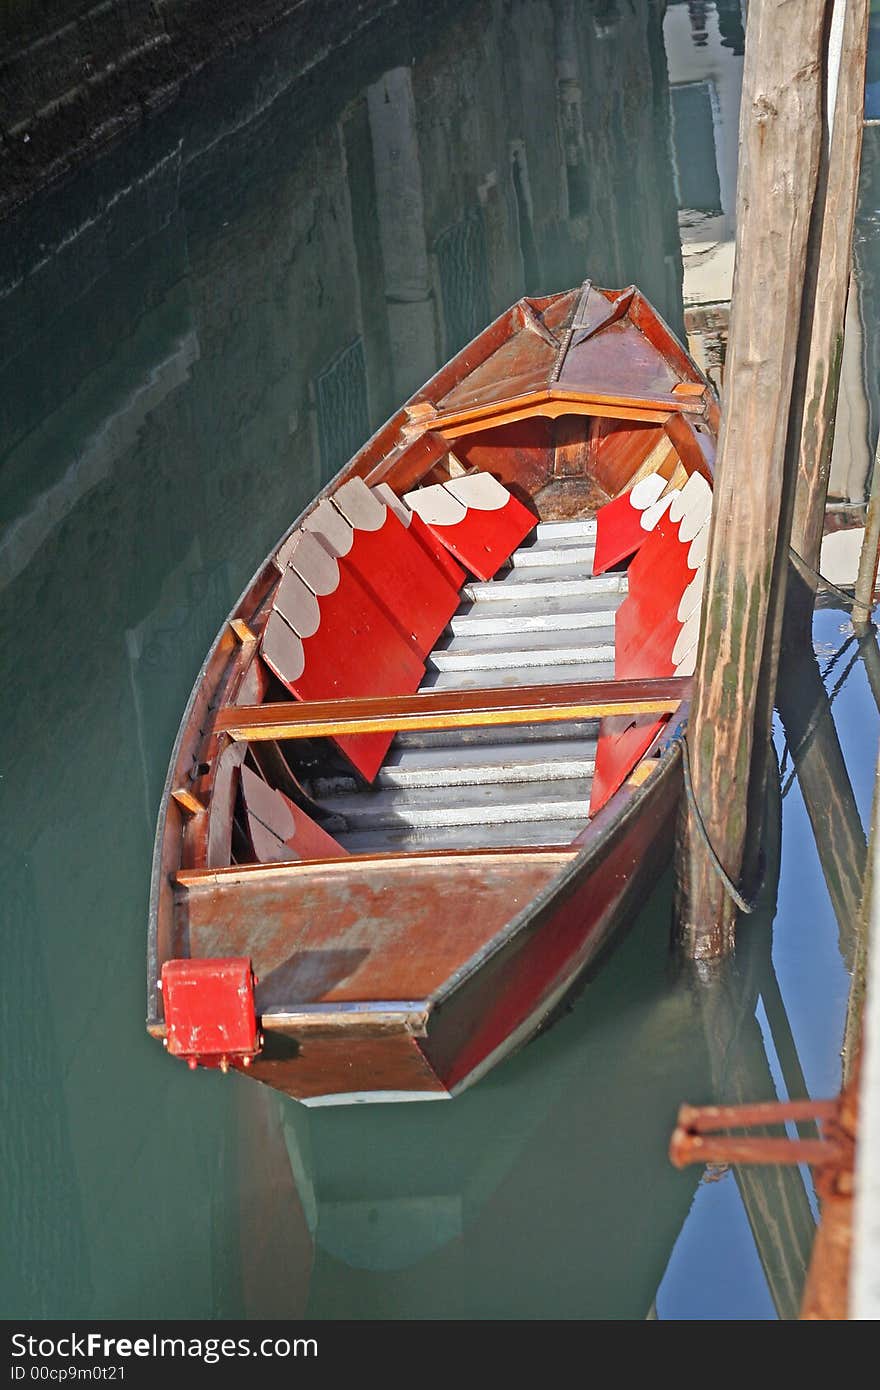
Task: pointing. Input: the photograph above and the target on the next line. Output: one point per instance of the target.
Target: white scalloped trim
(395, 504)
(653, 514)
(278, 631)
(297, 605)
(696, 515)
(695, 487)
(687, 638)
(436, 506)
(313, 563)
(692, 596)
(362, 510)
(688, 665)
(259, 797)
(480, 491)
(646, 491)
(699, 547)
(331, 528)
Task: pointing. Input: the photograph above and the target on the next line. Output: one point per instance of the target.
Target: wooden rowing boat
(430, 763)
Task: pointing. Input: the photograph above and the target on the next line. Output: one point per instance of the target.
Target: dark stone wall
(77, 74)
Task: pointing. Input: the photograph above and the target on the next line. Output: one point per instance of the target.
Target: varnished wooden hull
(502, 997)
(396, 976)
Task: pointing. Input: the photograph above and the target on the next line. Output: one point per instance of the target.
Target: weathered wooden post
(829, 258)
(818, 360)
(780, 139)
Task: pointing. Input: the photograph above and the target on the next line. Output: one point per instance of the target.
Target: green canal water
(194, 333)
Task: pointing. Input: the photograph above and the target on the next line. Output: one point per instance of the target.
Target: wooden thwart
(539, 704)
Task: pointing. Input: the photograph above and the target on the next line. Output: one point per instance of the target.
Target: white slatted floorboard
(544, 619)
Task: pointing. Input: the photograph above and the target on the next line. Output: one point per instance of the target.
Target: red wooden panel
(623, 739)
(209, 1010)
(450, 569)
(476, 518)
(648, 627)
(391, 564)
(340, 644)
(643, 644)
(438, 551)
(658, 576)
(521, 365)
(279, 829)
(361, 930)
(619, 524)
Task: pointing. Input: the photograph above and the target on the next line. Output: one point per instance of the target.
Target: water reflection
(193, 335)
(704, 46)
(544, 1191)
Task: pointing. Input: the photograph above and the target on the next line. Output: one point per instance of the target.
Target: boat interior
(543, 618)
(567, 403)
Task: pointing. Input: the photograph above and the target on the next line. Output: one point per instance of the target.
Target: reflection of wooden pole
(870, 654)
(775, 1198)
(868, 560)
(817, 378)
(780, 136)
(784, 1043)
(802, 701)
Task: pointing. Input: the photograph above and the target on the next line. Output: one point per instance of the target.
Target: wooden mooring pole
(829, 259)
(780, 143)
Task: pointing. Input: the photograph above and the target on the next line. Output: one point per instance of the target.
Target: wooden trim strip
(539, 704)
(563, 400)
(552, 410)
(388, 859)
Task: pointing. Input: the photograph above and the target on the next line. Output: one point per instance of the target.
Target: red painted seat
(475, 518)
(369, 541)
(623, 525)
(434, 548)
(280, 830)
(657, 625)
(327, 637)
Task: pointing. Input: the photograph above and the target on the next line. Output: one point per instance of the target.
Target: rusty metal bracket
(700, 1137)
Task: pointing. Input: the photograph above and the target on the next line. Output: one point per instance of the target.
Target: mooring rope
(849, 599)
(733, 892)
(820, 713)
(824, 673)
(727, 882)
